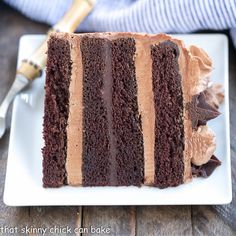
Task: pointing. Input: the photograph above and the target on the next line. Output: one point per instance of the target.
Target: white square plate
(23, 186)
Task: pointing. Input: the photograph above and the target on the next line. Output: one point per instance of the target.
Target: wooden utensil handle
(32, 68)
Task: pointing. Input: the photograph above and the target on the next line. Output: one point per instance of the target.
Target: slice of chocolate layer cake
(126, 109)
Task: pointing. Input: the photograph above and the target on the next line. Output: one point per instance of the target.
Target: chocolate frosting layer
(74, 128)
(207, 169)
(200, 111)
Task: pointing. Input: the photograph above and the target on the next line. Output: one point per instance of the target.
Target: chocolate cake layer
(169, 128)
(56, 112)
(96, 147)
(126, 119)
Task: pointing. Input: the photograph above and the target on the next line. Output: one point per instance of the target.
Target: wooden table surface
(141, 220)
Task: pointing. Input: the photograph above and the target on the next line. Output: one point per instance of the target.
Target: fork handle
(32, 68)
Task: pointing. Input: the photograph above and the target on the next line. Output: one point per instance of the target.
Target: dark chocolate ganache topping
(207, 169)
(200, 111)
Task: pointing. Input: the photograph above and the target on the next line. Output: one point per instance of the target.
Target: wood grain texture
(164, 220)
(120, 220)
(206, 222)
(228, 212)
(56, 220)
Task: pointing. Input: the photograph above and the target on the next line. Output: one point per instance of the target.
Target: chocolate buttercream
(143, 64)
(203, 145)
(74, 128)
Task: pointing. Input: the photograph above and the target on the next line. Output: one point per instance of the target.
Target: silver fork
(19, 83)
(31, 68)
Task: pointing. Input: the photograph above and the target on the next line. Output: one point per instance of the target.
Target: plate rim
(227, 199)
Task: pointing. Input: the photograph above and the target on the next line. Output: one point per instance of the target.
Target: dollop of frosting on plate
(203, 145)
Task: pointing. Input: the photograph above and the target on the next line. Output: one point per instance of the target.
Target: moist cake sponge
(126, 109)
